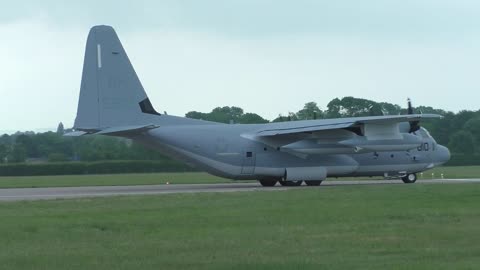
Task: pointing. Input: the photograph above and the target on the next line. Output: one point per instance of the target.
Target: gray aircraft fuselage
(220, 149)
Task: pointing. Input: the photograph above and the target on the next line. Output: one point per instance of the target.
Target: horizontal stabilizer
(75, 134)
(115, 131)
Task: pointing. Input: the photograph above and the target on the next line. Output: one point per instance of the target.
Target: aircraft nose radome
(443, 154)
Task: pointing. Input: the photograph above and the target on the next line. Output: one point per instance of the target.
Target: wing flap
(397, 118)
(282, 131)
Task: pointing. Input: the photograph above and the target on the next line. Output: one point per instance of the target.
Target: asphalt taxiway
(19, 194)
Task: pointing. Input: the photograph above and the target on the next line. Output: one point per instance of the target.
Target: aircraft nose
(442, 155)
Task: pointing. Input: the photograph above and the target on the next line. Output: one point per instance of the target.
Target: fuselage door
(248, 165)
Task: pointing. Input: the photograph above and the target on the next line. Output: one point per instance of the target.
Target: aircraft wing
(296, 127)
(342, 135)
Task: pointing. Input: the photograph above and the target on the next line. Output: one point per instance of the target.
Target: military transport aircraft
(113, 102)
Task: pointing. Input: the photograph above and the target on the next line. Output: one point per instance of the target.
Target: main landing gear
(271, 183)
(410, 178)
(290, 183)
(313, 183)
(267, 183)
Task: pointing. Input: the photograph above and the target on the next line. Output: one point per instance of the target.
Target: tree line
(54, 147)
(459, 131)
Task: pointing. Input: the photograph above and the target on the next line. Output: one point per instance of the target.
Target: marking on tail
(99, 55)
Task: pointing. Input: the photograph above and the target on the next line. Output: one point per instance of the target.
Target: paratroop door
(248, 166)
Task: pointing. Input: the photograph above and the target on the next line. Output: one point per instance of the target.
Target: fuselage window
(419, 148)
(425, 146)
(249, 154)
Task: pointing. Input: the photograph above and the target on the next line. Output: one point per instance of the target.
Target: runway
(20, 194)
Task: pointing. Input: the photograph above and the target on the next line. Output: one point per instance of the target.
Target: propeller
(414, 125)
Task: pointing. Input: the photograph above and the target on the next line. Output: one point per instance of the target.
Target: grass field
(109, 180)
(344, 227)
(452, 172)
(177, 178)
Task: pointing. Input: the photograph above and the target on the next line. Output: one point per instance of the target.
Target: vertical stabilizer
(111, 93)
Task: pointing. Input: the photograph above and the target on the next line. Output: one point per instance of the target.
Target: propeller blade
(410, 108)
(414, 125)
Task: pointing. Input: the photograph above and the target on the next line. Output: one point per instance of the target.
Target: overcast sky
(266, 56)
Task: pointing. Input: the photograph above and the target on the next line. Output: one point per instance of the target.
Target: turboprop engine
(406, 142)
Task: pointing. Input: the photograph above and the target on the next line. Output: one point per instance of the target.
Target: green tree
(4, 152)
(427, 109)
(462, 142)
(57, 157)
(18, 154)
(280, 118)
(353, 107)
(290, 117)
(390, 109)
(335, 109)
(252, 118)
(227, 115)
(473, 125)
(375, 109)
(196, 115)
(310, 111)
(28, 144)
(6, 139)
(461, 119)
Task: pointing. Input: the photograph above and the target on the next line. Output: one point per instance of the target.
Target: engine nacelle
(315, 147)
(357, 144)
(406, 142)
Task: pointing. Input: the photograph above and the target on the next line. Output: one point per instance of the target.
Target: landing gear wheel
(410, 178)
(313, 183)
(291, 183)
(267, 183)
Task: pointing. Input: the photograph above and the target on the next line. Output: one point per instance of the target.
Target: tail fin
(111, 94)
